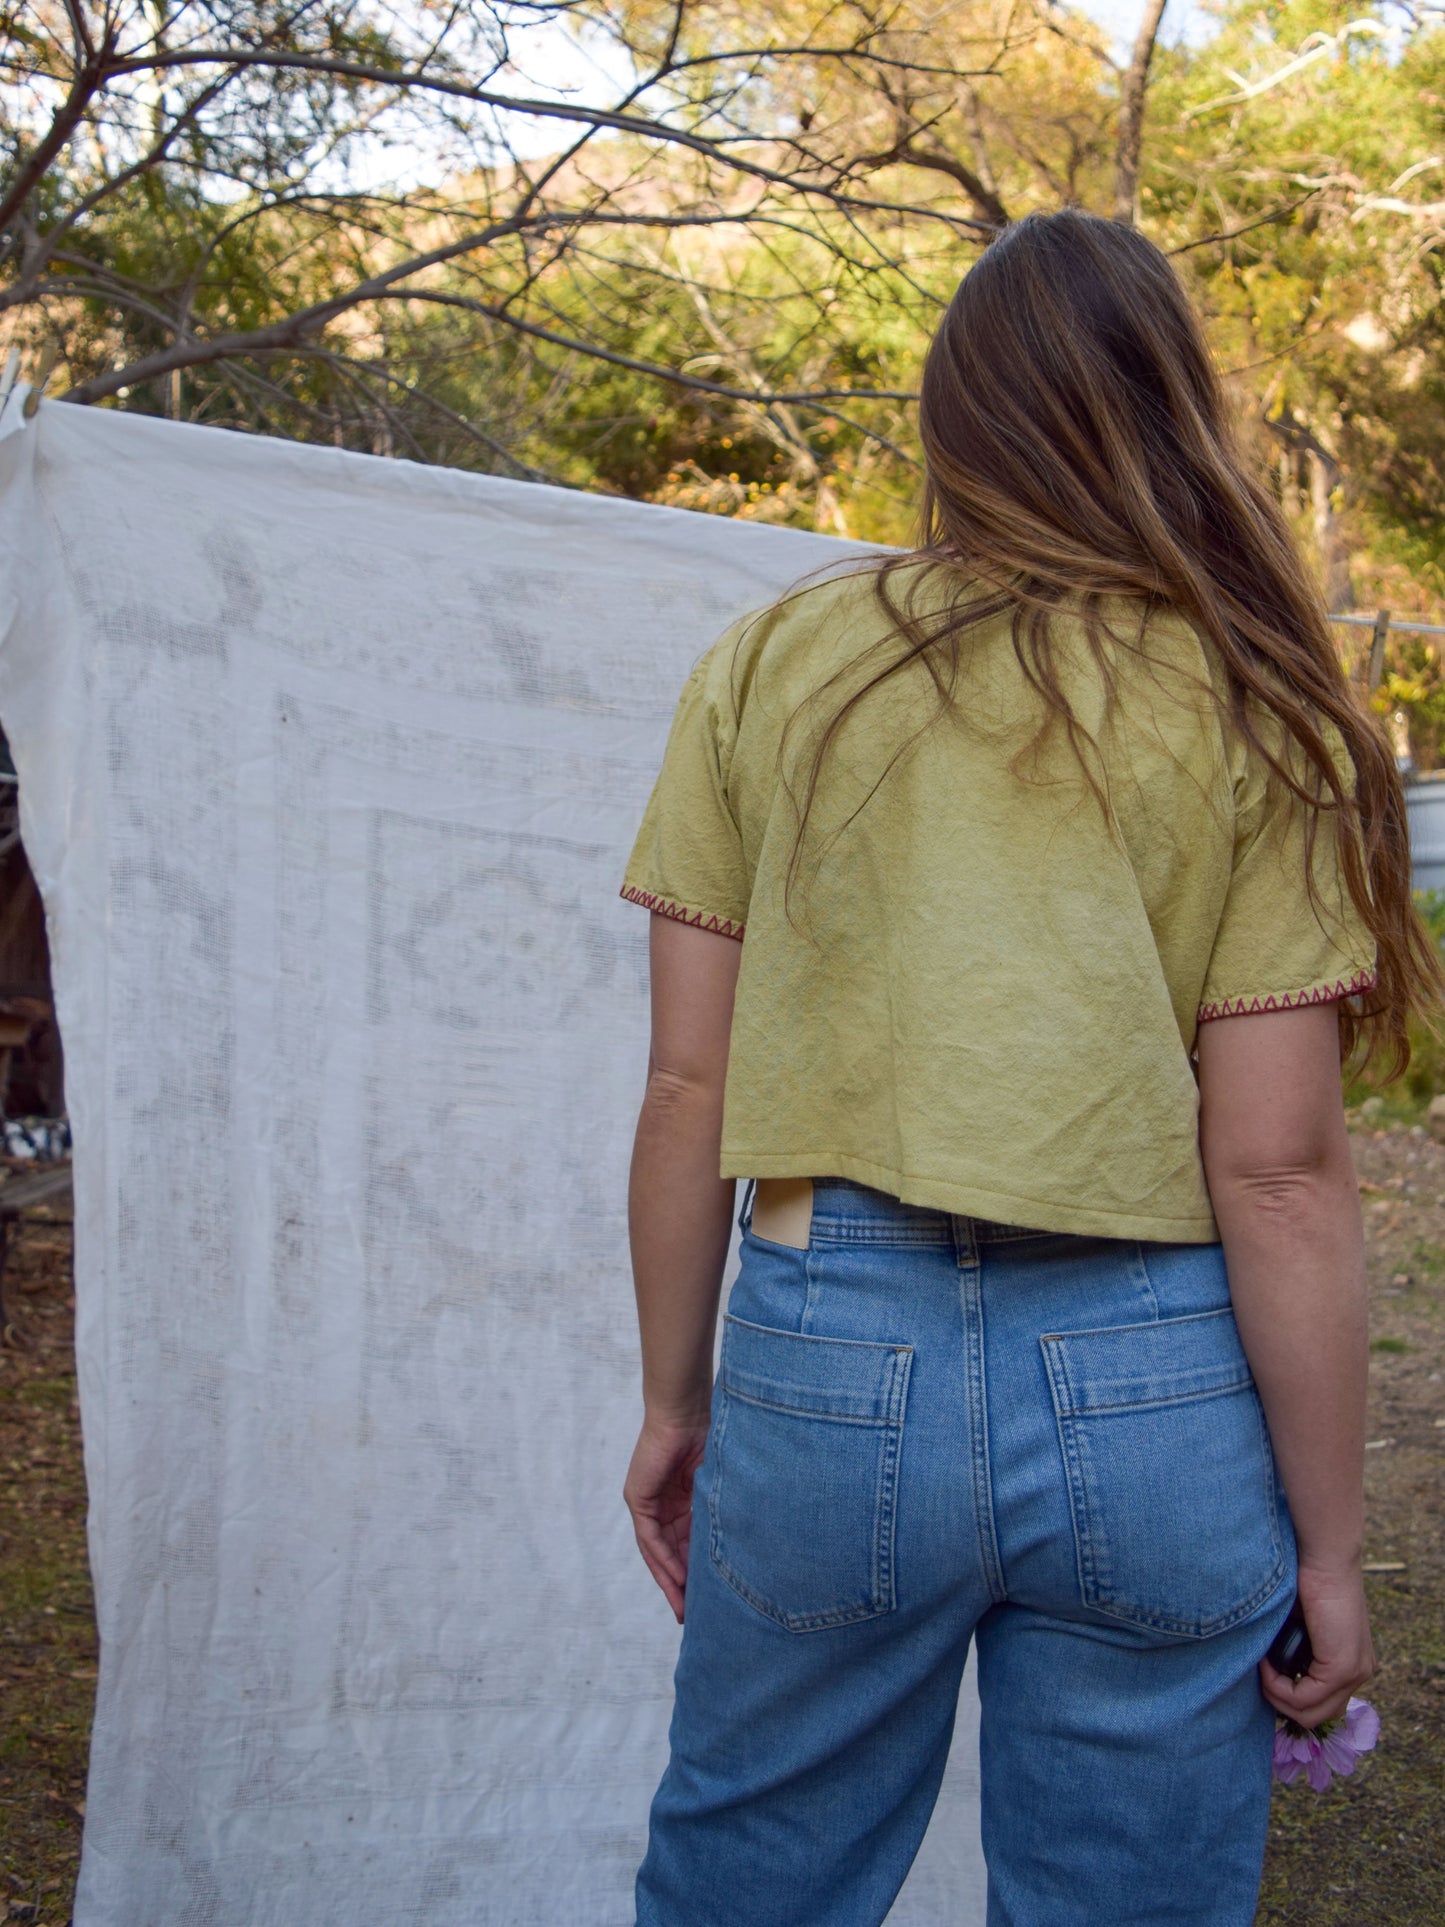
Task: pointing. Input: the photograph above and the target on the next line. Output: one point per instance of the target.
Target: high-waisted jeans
(928, 1429)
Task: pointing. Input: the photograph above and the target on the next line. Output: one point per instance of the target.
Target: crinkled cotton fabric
(328, 766)
(984, 994)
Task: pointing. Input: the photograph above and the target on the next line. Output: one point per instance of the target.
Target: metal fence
(1380, 624)
(1424, 795)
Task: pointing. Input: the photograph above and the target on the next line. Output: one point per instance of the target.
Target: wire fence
(1380, 624)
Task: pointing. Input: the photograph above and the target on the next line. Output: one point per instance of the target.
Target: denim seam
(971, 1301)
(715, 1495)
(838, 1231)
(846, 1232)
(814, 1338)
(1270, 1481)
(810, 1281)
(883, 1591)
(800, 1411)
(884, 1580)
(855, 1231)
(798, 1622)
(1056, 1365)
(1086, 1559)
(1196, 1628)
(1140, 1324)
(1156, 1401)
(1143, 1264)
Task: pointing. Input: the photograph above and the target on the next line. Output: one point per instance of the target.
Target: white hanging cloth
(329, 766)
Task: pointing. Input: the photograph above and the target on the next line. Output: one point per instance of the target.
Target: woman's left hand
(658, 1491)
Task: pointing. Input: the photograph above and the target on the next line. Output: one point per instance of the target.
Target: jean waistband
(846, 1212)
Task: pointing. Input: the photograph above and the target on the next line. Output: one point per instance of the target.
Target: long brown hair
(1078, 448)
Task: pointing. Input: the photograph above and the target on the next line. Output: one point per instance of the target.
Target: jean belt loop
(748, 1190)
(965, 1237)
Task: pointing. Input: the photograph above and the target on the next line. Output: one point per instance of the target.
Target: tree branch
(990, 207)
(80, 28)
(441, 298)
(44, 252)
(1248, 227)
(1315, 46)
(644, 126)
(295, 331)
(68, 116)
(292, 331)
(1132, 91)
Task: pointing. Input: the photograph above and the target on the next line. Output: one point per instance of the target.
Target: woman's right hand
(1338, 1623)
(658, 1492)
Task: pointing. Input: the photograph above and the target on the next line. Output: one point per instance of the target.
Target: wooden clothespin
(48, 357)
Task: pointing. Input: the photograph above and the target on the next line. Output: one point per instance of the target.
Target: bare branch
(991, 209)
(291, 332)
(1314, 47)
(1074, 30)
(1132, 91)
(859, 52)
(80, 28)
(44, 252)
(68, 116)
(478, 435)
(1274, 216)
(645, 127)
(593, 351)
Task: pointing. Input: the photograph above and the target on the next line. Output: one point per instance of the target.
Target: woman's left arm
(680, 1222)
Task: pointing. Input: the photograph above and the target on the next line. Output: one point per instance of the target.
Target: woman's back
(983, 995)
(1005, 824)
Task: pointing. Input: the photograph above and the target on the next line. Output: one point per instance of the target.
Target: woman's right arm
(1282, 1181)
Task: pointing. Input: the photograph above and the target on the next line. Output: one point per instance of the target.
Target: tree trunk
(1132, 91)
(1330, 543)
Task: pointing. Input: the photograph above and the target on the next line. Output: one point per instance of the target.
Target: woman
(1068, 866)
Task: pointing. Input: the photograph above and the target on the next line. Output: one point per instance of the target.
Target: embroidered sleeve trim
(1289, 1000)
(665, 907)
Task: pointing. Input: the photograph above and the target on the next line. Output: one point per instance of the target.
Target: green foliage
(1290, 159)
(1330, 313)
(1414, 687)
(1405, 1099)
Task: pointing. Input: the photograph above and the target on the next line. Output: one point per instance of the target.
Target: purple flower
(1331, 1748)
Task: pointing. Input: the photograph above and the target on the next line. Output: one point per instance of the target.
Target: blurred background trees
(690, 250)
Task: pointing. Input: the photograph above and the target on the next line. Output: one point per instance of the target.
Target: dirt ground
(1366, 1854)
(47, 1626)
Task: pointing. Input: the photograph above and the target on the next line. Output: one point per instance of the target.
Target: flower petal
(1362, 1723)
(1318, 1774)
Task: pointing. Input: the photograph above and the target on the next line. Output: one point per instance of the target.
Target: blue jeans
(927, 1429)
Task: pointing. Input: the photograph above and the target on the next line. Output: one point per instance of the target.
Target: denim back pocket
(805, 1473)
(1170, 1472)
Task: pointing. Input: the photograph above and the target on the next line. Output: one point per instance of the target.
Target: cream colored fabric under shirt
(987, 1003)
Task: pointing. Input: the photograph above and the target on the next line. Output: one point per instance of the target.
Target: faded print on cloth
(329, 768)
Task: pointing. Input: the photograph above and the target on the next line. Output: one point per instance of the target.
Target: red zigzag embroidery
(1327, 994)
(665, 907)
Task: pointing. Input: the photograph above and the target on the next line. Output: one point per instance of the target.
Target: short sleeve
(687, 861)
(1277, 945)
